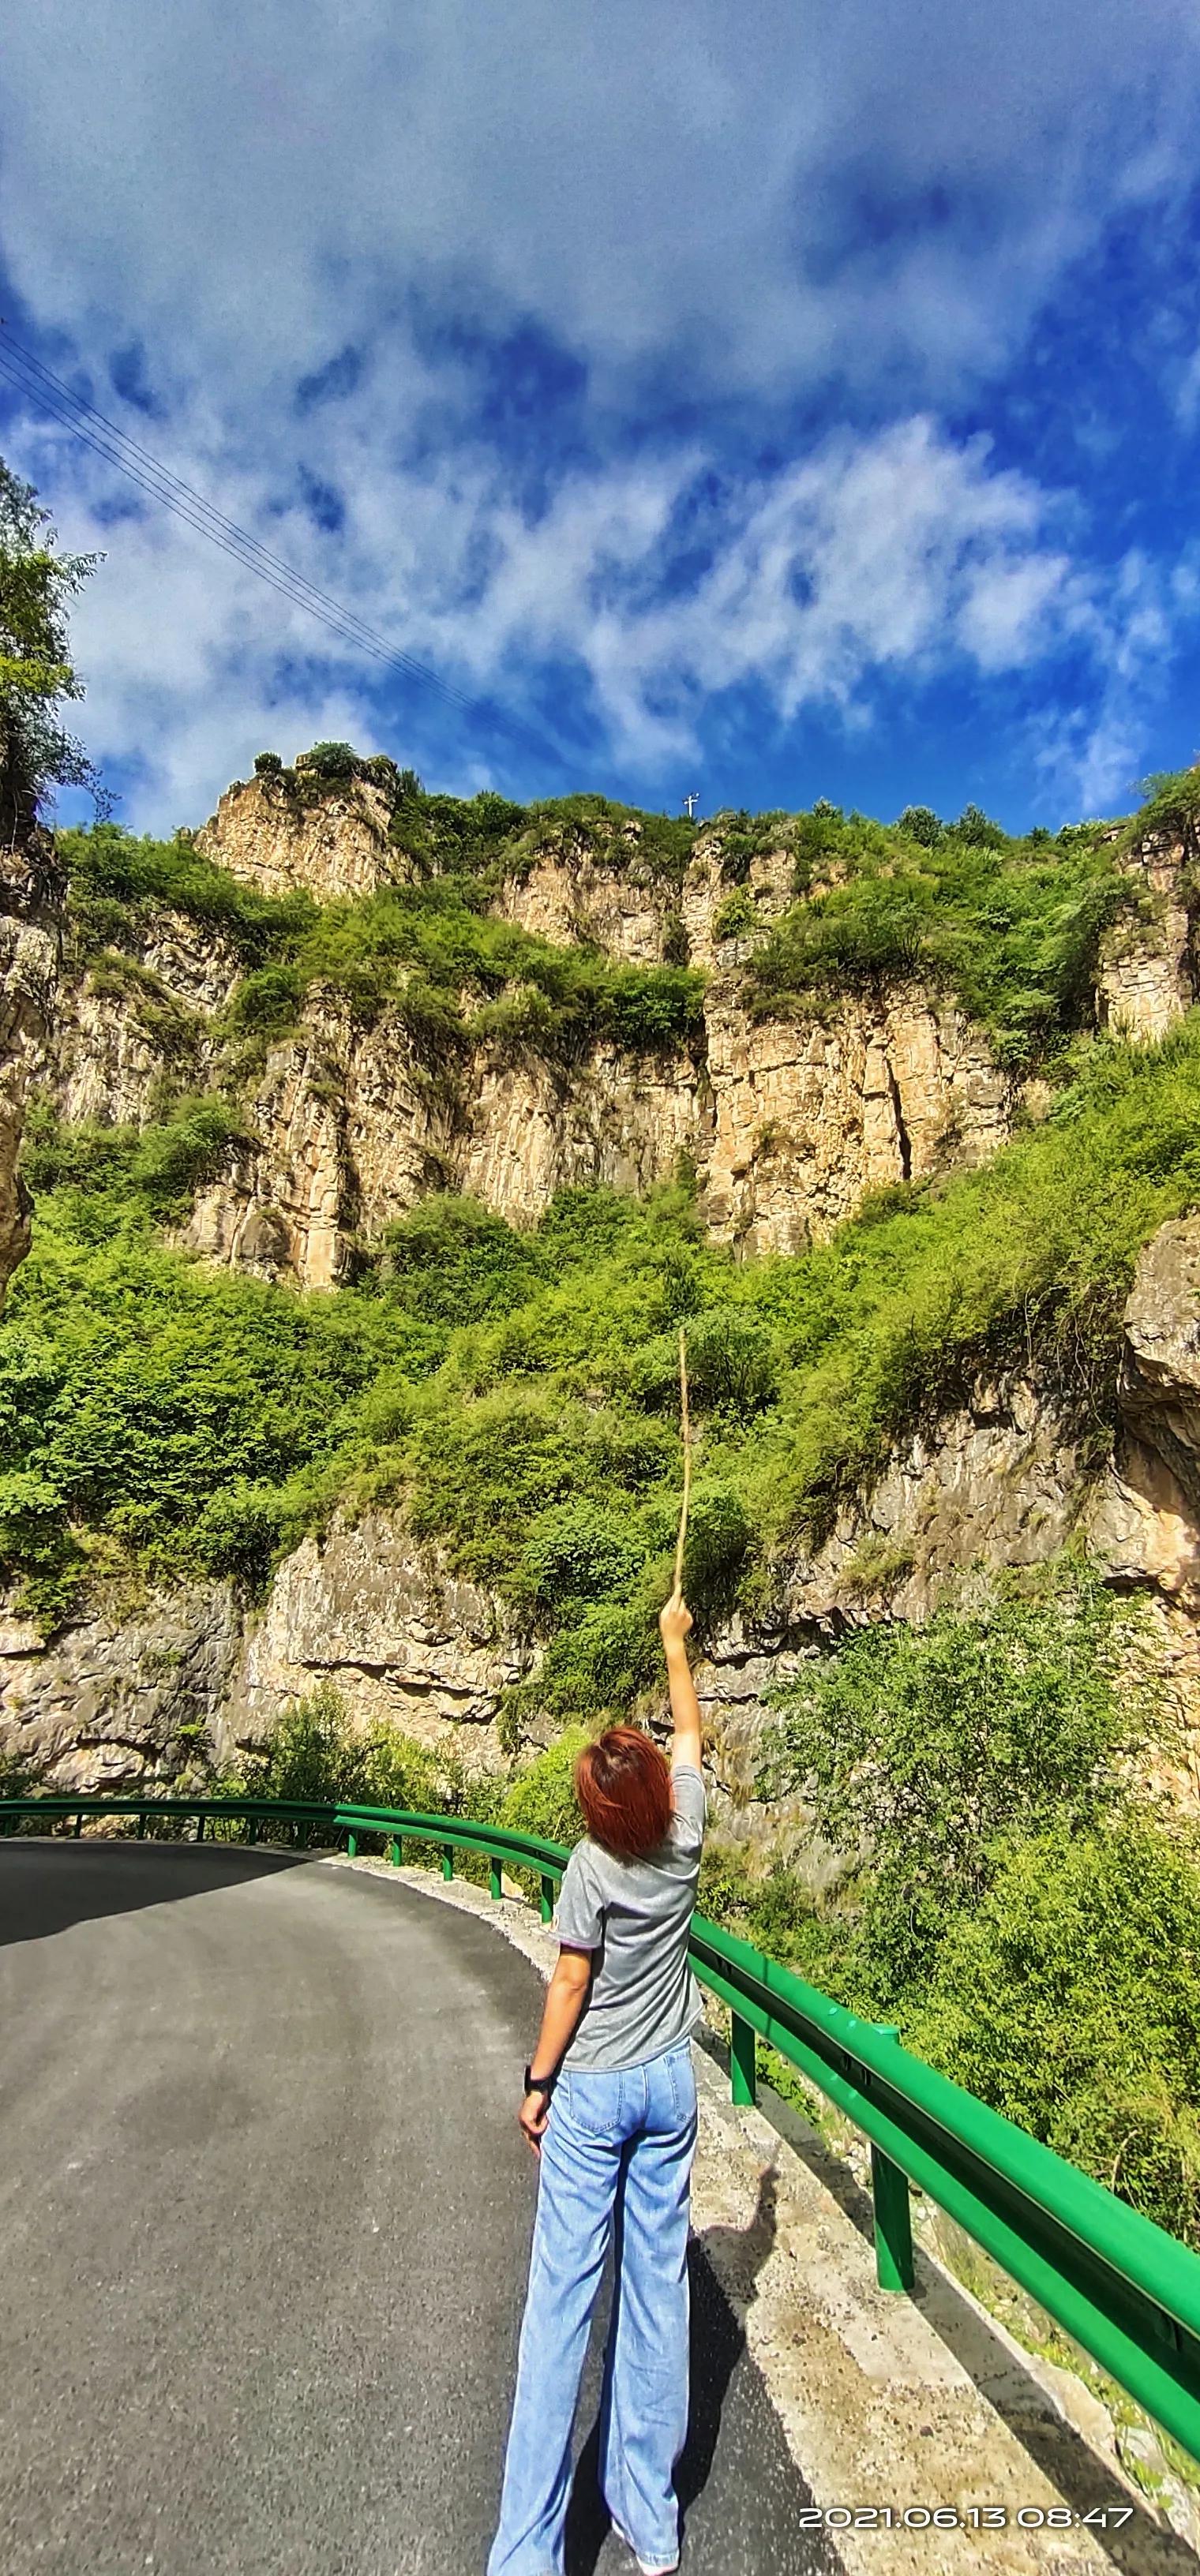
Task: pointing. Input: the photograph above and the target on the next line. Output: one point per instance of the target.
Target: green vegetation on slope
(1011, 1900)
(518, 1390)
(417, 948)
(1010, 927)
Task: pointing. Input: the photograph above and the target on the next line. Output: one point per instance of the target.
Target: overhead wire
(30, 375)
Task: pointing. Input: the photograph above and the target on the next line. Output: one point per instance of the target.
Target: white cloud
(746, 208)
(1132, 623)
(771, 192)
(895, 552)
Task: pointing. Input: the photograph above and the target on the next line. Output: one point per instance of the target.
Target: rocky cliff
(145, 1687)
(31, 888)
(787, 1120)
(345, 1119)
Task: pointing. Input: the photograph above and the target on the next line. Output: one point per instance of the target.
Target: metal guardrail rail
(1122, 2288)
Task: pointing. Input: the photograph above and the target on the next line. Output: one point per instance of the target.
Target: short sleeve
(687, 1824)
(579, 1920)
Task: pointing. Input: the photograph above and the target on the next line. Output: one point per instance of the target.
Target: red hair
(624, 1788)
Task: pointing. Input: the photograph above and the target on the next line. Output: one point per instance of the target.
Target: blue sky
(777, 402)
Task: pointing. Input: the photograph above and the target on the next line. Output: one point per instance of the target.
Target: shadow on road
(47, 1885)
(774, 2489)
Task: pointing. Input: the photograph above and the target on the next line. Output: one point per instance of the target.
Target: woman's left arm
(566, 1996)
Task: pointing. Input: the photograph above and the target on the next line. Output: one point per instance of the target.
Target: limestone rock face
(1160, 1381)
(625, 911)
(401, 1639)
(335, 843)
(114, 1034)
(119, 1701)
(30, 896)
(787, 1125)
(1149, 975)
(351, 1132)
(808, 1115)
(1144, 1519)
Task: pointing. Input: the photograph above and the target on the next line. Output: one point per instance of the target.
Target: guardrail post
(352, 1846)
(395, 1851)
(252, 1829)
(893, 2224)
(743, 2061)
(494, 1885)
(79, 1824)
(141, 1831)
(546, 1906)
(200, 1828)
(447, 1860)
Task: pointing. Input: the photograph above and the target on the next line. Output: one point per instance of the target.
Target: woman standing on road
(610, 2109)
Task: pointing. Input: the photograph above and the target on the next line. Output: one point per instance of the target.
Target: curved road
(265, 2224)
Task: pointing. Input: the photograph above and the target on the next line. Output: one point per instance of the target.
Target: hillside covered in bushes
(1018, 1905)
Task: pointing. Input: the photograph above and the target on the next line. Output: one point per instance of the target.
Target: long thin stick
(686, 1425)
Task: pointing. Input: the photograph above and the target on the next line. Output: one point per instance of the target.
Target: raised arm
(674, 1621)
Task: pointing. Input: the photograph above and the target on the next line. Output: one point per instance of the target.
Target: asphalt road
(265, 2223)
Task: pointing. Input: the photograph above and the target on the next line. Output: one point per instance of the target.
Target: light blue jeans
(623, 2145)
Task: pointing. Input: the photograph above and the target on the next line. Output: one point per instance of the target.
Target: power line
(29, 375)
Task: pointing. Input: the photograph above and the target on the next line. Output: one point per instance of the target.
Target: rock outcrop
(404, 1641)
(1148, 973)
(29, 967)
(30, 895)
(787, 1123)
(332, 842)
(126, 1696)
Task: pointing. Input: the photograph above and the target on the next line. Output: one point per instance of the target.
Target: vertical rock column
(31, 891)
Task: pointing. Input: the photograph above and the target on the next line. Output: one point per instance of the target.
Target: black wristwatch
(540, 2083)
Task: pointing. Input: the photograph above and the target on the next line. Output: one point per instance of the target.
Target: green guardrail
(1125, 2290)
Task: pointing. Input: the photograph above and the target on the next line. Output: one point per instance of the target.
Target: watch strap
(539, 2083)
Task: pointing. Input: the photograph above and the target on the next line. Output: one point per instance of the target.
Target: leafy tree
(1070, 2000)
(975, 826)
(920, 823)
(37, 676)
(332, 760)
(919, 1750)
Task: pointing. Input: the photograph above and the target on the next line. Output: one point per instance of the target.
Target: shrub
(454, 1260)
(239, 1530)
(267, 764)
(314, 1753)
(737, 915)
(920, 823)
(1070, 2000)
(977, 828)
(576, 1552)
(918, 1749)
(331, 760)
(542, 1797)
(267, 1002)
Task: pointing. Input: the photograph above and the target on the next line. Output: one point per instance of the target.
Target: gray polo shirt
(634, 1914)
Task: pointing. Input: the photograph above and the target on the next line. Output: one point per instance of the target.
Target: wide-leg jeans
(618, 2148)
